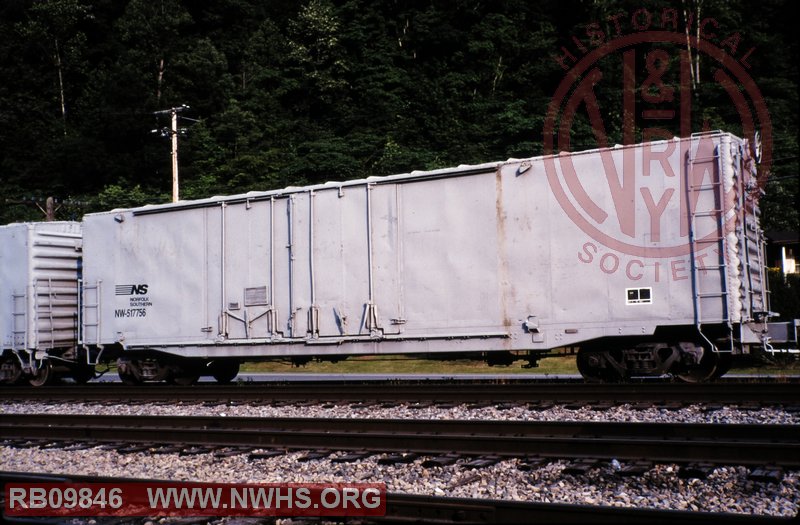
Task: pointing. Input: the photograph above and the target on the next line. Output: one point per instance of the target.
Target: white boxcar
(647, 256)
(39, 273)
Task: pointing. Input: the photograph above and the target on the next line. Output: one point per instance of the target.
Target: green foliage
(116, 196)
(288, 93)
(784, 294)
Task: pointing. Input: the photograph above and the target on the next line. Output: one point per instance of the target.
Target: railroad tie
(399, 458)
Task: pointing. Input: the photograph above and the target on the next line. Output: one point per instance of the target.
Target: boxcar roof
(460, 171)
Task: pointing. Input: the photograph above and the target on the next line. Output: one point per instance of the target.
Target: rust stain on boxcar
(502, 256)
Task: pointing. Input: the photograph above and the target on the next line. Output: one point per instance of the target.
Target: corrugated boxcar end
(39, 287)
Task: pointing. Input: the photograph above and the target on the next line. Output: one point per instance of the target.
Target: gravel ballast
(726, 489)
(620, 413)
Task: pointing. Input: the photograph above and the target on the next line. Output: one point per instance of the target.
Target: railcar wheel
(724, 365)
(598, 366)
(45, 375)
(11, 371)
(129, 373)
(709, 366)
(224, 371)
(588, 366)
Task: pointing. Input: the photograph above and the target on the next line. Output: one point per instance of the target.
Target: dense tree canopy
(287, 93)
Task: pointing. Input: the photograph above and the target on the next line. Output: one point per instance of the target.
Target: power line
(51, 205)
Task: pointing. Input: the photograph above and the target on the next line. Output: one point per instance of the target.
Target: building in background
(782, 250)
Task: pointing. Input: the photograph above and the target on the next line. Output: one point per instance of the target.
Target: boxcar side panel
(337, 316)
(152, 278)
(478, 258)
(450, 262)
(351, 210)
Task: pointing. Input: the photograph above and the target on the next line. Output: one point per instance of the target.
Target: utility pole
(174, 135)
(50, 209)
(173, 132)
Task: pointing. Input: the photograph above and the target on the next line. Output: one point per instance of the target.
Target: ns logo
(131, 289)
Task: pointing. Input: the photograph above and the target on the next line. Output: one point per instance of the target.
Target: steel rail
(663, 442)
(787, 394)
(415, 508)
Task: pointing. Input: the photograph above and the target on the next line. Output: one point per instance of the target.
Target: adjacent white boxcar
(39, 273)
(654, 245)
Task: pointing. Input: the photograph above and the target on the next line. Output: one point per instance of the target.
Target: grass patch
(406, 365)
(561, 365)
(768, 370)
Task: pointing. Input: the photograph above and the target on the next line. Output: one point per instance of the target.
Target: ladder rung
(712, 267)
(716, 294)
(701, 187)
(708, 213)
(712, 239)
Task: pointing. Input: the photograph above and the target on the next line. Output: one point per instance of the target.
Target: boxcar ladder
(717, 239)
(19, 314)
(90, 313)
(43, 311)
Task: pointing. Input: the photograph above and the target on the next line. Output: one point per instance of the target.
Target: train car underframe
(138, 367)
(42, 368)
(682, 352)
(690, 355)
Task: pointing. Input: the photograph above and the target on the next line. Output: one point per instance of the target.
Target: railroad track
(405, 508)
(509, 391)
(731, 444)
(767, 448)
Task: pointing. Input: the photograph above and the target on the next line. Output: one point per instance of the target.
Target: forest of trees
(288, 93)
